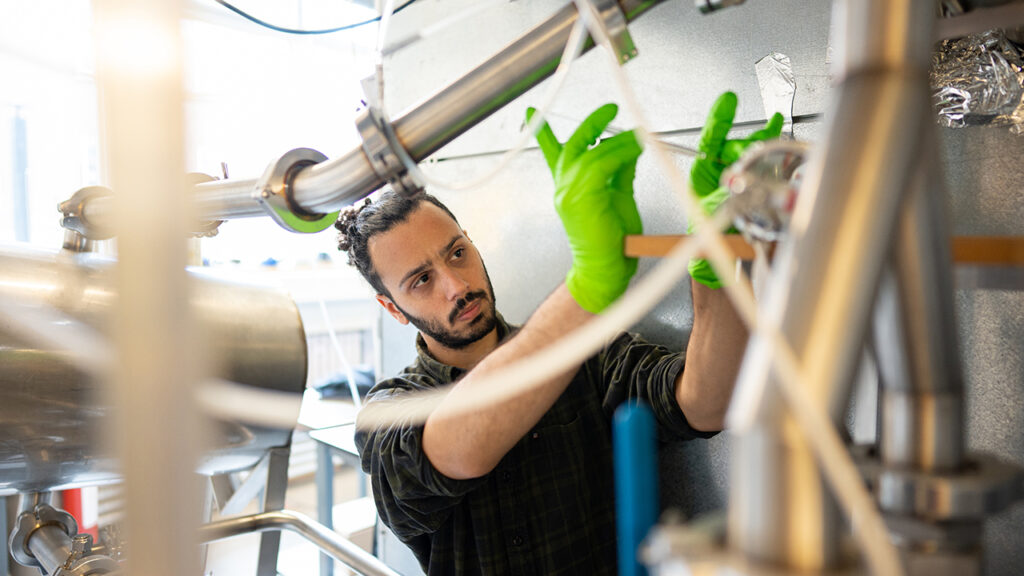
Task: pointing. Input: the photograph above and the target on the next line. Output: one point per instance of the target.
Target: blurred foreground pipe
(156, 425)
(822, 294)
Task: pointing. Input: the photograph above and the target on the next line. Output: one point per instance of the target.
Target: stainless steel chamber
(52, 411)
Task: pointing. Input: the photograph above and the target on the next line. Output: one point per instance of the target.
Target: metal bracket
(615, 23)
(73, 210)
(274, 192)
(387, 156)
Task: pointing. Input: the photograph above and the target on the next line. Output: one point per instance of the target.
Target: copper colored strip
(987, 250)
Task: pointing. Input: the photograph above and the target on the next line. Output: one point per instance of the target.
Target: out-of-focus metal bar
(140, 79)
(822, 295)
(919, 363)
(343, 550)
(422, 130)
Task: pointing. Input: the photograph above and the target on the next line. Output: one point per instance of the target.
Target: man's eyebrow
(419, 269)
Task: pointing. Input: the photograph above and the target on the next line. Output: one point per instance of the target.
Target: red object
(73, 504)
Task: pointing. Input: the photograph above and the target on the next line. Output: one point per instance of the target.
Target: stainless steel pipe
(326, 540)
(822, 294)
(919, 363)
(422, 130)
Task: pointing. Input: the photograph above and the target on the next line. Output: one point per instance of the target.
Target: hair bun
(346, 225)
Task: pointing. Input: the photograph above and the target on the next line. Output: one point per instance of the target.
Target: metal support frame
(273, 501)
(325, 499)
(336, 546)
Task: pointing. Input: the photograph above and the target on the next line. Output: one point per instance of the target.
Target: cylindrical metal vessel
(51, 411)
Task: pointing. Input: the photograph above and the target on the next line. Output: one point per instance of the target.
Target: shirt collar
(445, 373)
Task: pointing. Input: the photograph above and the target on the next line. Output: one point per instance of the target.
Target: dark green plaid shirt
(548, 507)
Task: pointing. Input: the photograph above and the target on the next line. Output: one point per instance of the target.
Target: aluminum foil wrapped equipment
(978, 79)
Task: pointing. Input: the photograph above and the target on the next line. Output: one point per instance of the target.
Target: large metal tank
(52, 413)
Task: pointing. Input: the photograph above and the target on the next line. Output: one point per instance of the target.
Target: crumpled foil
(978, 79)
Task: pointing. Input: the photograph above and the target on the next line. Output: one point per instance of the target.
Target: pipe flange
(73, 210)
(982, 487)
(388, 158)
(91, 566)
(274, 192)
(28, 522)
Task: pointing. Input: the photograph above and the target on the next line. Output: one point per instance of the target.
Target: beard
(479, 326)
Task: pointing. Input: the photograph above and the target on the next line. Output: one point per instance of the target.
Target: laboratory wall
(685, 60)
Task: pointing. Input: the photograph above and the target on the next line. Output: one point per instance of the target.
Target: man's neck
(464, 358)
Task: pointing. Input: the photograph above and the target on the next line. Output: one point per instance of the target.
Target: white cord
(428, 31)
(573, 49)
(382, 34)
(349, 373)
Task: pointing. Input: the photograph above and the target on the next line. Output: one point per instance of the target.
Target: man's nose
(454, 285)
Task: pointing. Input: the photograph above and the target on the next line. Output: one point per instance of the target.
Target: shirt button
(517, 540)
(506, 475)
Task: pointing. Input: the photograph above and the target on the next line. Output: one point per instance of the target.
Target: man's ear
(392, 309)
(466, 234)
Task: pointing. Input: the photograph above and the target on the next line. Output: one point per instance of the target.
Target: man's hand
(717, 152)
(594, 199)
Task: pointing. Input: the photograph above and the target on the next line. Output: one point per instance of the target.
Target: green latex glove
(717, 153)
(594, 199)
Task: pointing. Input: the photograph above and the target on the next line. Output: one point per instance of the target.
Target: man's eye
(420, 281)
(459, 252)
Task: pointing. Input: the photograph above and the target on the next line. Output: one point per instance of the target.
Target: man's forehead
(422, 236)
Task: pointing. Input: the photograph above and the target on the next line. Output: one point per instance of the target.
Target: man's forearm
(463, 444)
(713, 358)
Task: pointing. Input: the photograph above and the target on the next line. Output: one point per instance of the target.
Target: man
(524, 484)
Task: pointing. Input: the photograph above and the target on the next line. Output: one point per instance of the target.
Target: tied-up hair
(358, 224)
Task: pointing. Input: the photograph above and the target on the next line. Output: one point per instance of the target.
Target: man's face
(436, 278)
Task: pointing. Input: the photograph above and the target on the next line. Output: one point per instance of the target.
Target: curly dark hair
(357, 224)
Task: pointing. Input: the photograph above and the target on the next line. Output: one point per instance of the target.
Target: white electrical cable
(573, 49)
(835, 460)
(349, 373)
(245, 404)
(432, 29)
(382, 35)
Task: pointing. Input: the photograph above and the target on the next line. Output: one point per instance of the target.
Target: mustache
(462, 303)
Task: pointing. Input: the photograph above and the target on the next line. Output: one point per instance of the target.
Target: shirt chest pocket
(556, 450)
